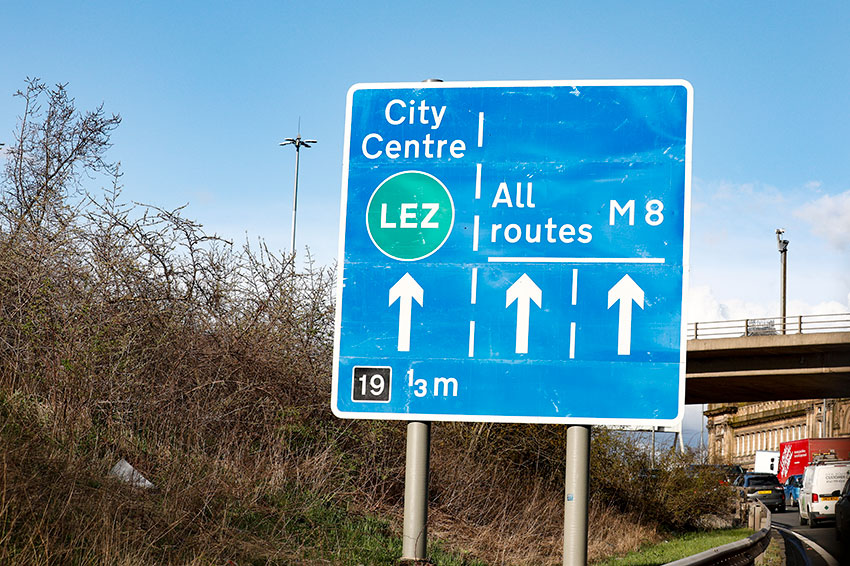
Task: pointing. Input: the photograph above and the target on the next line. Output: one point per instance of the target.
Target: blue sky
(208, 89)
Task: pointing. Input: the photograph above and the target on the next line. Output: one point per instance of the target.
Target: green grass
(325, 531)
(677, 548)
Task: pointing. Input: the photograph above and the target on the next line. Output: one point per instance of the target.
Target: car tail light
(814, 498)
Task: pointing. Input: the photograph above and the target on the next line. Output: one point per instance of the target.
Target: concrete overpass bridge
(768, 359)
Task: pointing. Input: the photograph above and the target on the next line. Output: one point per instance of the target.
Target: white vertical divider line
(480, 129)
(572, 340)
(573, 324)
(475, 235)
(575, 286)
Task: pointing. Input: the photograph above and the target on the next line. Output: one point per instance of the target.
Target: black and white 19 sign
(371, 384)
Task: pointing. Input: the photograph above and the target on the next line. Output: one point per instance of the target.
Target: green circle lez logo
(410, 215)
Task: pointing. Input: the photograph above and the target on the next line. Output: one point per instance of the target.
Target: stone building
(737, 430)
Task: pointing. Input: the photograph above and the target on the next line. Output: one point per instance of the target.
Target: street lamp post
(298, 143)
(783, 255)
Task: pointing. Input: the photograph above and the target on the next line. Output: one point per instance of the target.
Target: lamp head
(780, 243)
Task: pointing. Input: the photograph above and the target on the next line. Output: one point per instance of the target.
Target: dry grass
(533, 534)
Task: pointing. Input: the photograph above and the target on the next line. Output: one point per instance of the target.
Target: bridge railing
(770, 326)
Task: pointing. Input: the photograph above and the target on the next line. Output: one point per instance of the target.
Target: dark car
(842, 514)
(792, 487)
(764, 487)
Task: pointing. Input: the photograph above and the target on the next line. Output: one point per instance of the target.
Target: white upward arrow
(405, 289)
(625, 291)
(523, 292)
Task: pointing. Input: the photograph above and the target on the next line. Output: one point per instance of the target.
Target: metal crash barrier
(805, 324)
(741, 552)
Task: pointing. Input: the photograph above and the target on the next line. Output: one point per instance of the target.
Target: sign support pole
(417, 465)
(576, 495)
(416, 470)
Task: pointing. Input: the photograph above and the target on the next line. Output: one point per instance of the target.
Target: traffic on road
(810, 500)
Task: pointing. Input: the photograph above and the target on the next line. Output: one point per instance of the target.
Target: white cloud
(814, 186)
(827, 307)
(829, 217)
(704, 306)
(749, 192)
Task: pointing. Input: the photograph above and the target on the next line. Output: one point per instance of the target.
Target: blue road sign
(514, 252)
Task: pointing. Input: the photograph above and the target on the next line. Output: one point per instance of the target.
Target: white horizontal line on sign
(575, 259)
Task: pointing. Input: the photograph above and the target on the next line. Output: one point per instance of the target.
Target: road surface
(819, 543)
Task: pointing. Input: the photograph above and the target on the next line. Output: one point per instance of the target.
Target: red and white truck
(795, 455)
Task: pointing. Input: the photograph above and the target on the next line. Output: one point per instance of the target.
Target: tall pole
(576, 495)
(783, 255)
(652, 456)
(295, 200)
(298, 143)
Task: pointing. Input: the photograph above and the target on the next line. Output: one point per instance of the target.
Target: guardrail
(770, 326)
(741, 552)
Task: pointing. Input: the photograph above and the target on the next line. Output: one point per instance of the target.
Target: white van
(822, 483)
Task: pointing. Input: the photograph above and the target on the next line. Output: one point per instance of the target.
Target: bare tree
(55, 147)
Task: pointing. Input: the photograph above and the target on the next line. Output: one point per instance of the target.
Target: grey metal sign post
(417, 469)
(576, 495)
